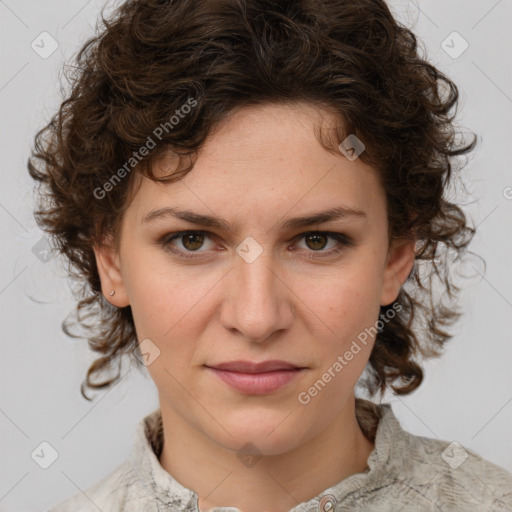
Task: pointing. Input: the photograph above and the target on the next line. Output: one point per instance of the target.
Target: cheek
(342, 309)
(341, 304)
(164, 306)
(162, 298)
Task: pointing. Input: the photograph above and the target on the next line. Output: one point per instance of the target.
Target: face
(259, 287)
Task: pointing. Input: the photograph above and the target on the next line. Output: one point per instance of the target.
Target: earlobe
(399, 264)
(107, 261)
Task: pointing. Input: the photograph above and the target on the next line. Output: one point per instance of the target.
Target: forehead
(265, 158)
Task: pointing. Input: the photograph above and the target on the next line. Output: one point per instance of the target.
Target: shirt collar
(378, 422)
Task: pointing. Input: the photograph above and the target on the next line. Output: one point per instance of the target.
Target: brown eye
(192, 241)
(187, 244)
(194, 244)
(316, 241)
(324, 244)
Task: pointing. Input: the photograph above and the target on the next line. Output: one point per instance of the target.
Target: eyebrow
(336, 213)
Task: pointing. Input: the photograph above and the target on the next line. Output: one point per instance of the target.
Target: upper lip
(249, 367)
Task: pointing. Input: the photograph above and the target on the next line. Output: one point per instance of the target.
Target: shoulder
(446, 473)
(110, 493)
(136, 485)
(461, 464)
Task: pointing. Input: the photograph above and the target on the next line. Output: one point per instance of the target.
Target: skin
(260, 166)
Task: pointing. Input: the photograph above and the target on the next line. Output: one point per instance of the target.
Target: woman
(253, 195)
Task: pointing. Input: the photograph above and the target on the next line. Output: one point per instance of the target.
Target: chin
(270, 436)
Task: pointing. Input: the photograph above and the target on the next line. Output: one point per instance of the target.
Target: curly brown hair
(151, 56)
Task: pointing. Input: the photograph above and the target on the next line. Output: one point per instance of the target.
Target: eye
(316, 241)
(193, 241)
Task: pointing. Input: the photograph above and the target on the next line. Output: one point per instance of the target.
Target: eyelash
(342, 239)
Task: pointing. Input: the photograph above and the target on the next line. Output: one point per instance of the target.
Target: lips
(256, 378)
(250, 367)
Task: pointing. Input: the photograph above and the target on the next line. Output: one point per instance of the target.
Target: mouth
(256, 378)
(250, 367)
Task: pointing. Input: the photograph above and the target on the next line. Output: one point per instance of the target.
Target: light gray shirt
(404, 472)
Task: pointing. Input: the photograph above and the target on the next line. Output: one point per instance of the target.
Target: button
(327, 503)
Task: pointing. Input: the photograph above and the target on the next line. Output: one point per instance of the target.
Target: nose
(259, 301)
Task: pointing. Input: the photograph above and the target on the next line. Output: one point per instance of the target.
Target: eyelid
(342, 239)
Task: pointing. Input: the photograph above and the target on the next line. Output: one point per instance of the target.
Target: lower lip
(257, 383)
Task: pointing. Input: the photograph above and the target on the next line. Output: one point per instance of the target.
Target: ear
(108, 263)
(399, 263)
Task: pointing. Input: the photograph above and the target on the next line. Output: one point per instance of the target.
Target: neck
(275, 483)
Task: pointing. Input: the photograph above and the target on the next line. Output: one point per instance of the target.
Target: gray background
(467, 394)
